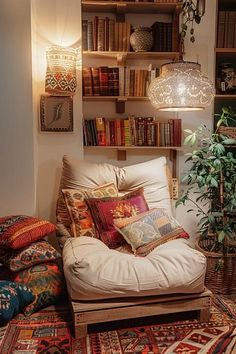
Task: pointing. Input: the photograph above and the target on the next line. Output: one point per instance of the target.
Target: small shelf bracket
(120, 12)
(121, 58)
(121, 155)
(120, 104)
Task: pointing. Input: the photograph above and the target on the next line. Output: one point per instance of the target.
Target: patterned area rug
(49, 332)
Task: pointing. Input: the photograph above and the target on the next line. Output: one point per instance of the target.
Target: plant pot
(220, 272)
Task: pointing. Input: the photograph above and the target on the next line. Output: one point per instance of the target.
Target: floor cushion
(14, 298)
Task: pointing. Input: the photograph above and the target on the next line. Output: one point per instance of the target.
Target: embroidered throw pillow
(148, 230)
(37, 252)
(47, 283)
(106, 210)
(18, 231)
(81, 220)
(13, 299)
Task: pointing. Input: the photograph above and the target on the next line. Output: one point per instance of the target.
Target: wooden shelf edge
(179, 148)
(225, 50)
(115, 98)
(226, 96)
(131, 55)
(130, 6)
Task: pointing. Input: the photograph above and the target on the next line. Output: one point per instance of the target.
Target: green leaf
(229, 141)
(221, 236)
(189, 131)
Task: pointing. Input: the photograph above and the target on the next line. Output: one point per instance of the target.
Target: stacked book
(226, 31)
(132, 131)
(117, 81)
(105, 34)
(162, 35)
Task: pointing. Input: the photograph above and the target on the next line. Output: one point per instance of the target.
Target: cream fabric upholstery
(93, 271)
(150, 175)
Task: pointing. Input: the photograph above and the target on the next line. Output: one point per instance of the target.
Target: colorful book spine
(90, 36)
(103, 80)
(101, 132)
(84, 35)
(87, 82)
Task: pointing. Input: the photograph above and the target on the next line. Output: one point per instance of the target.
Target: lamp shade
(61, 71)
(181, 87)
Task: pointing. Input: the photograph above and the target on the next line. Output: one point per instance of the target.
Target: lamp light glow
(61, 71)
(181, 87)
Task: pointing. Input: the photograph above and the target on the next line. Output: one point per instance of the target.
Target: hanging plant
(192, 11)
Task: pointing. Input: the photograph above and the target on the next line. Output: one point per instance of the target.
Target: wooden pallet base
(85, 313)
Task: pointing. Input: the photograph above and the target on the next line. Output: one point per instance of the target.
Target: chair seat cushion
(93, 271)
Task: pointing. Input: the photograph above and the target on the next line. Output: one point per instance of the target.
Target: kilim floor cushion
(49, 332)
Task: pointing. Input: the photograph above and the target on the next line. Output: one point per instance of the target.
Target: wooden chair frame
(85, 313)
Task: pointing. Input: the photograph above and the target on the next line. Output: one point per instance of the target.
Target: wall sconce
(61, 71)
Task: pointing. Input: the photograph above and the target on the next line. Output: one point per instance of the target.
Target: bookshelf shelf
(132, 55)
(130, 7)
(225, 96)
(121, 152)
(114, 98)
(225, 51)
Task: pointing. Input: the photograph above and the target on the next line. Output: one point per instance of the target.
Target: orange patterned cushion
(81, 220)
(17, 231)
(46, 281)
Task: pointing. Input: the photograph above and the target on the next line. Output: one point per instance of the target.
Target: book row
(117, 81)
(132, 131)
(226, 31)
(105, 34)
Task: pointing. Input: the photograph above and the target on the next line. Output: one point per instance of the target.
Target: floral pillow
(13, 299)
(17, 231)
(47, 283)
(37, 252)
(148, 230)
(81, 220)
(106, 210)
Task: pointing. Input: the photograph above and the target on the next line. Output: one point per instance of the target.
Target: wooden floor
(85, 313)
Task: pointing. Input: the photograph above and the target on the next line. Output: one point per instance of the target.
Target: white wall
(54, 22)
(17, 173)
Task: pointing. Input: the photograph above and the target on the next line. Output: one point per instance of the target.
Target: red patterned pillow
(106, 210)
(17, 231)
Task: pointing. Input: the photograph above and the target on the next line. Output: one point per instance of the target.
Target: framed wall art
(56, 113)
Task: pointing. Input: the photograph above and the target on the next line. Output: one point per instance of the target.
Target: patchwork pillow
(18, 231)
(46, 282)
(37, 252)
(13, 299)
(81, 220)
(106, 210)
(148, 230)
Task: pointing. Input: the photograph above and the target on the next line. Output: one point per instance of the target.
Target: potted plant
(211, 192)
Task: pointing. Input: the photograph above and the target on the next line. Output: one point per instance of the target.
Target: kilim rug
(49, 332)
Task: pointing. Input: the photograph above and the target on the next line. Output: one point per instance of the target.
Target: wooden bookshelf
(122, 152)
(120, 9)
(226, 96)
(115, 98)
(132, 55)
(130, 7)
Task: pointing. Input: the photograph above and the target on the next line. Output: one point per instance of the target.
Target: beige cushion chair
(105, 284)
